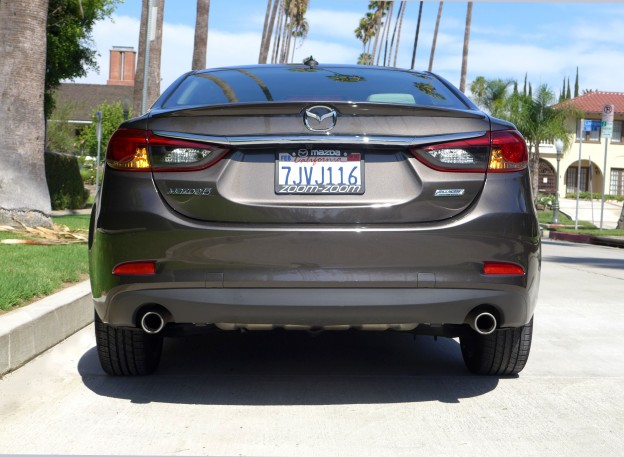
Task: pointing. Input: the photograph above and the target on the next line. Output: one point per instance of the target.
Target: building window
(589, 136)
(617, 181)
(617, 132)
(572, 178)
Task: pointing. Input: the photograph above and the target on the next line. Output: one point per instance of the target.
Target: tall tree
(379, 9)
(576, 84)
(435, 36)
(416, 35)
(396, 49)
(268, 33)
(538, 121)
(70, 50)
(200, 44)
(155, 46)
(568, 92)
(385, 33)
(464, 68)
(24, 195)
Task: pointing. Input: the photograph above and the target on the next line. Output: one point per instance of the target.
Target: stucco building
(591, 149)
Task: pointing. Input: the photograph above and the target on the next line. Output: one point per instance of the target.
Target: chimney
(122, 64)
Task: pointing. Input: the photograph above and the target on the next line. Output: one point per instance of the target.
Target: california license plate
(319, 171)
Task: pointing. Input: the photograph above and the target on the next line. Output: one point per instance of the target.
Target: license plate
(326, 171)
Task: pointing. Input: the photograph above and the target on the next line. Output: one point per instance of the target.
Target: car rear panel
(241, 187)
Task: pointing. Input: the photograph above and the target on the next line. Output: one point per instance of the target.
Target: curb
(615, 242)
(29, 331)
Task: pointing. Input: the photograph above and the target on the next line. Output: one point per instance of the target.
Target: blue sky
(547, 40)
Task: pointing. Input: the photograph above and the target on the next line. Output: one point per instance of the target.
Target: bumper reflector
(135, 268)
(502, 268)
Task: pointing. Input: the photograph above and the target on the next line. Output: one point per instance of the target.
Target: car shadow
(296, 368)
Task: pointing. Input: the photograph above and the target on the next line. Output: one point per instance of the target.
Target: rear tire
(503, 352)
(126, 352)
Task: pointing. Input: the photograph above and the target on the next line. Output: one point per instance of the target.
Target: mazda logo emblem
(320, 118)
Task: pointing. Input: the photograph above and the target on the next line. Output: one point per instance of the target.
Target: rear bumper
(313, 307)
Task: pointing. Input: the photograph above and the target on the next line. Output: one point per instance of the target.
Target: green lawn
(585, 228)
(28, 272)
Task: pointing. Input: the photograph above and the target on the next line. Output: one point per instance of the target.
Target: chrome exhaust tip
(153, 322)
(483, 323)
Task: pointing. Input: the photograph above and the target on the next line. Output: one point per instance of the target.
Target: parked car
(315, 197)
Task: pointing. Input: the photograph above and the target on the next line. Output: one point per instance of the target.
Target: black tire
(503, 352)
(126, 352)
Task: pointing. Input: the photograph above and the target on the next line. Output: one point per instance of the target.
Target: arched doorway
(547, 179)
(590, 179)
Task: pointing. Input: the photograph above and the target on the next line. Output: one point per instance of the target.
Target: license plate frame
(319, 171)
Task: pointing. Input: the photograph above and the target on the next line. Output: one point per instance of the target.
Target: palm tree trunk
(278, 33)
(153, 83)
(379, 13)
(24, 195)
(435, 36)
(267, 42)
(464, 69)
(396, 49)
(387, 34)
(416, 35)
(200, 46)
(264, 29)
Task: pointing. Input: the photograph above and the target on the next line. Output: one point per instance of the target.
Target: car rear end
(315, 198)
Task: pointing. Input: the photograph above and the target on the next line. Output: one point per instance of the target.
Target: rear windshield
(280, 84)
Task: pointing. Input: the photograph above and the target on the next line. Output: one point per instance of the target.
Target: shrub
(64, 181)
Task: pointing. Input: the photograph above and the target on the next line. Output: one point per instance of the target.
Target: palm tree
(435, 36)
(379, 10)
(396, 49)
(538, 121)
(416, 35)
(385, 33)
(464, 68)
(24, 196)
(155, 46)
(267, 33)
(200, 45)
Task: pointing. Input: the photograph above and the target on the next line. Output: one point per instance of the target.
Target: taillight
(509, 152)
(127, 150)
(502, 268)
(171, 154)
(460, 156)
(499, 151)
(140, 150)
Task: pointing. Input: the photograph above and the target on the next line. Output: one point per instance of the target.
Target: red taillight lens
(509, 152)
(141, 150)
(135, 268)
(127, 150)
(502, 268)
(500, 151)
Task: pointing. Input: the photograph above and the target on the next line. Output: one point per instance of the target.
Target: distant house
(81, 99)
(592, 150)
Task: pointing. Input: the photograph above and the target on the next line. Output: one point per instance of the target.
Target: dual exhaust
(482, 322)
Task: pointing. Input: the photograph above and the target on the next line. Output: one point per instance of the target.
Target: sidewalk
(589, 210)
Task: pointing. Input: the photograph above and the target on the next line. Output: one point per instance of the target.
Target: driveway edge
(29, 331)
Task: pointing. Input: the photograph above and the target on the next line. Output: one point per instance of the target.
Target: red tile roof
(594, 102)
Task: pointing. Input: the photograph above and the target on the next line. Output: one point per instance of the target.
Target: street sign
(591, 125)
(607, 121)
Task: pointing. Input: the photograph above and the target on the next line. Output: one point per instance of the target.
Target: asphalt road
(345, 394)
